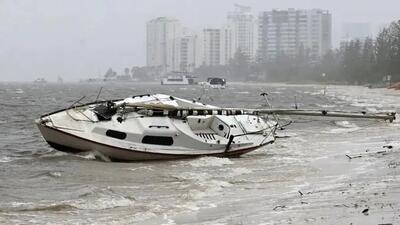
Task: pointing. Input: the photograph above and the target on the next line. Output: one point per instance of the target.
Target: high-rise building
(291, 31)
(190, 52)
(162, 40)
(218, 45)
(244, 30)
(212, 47)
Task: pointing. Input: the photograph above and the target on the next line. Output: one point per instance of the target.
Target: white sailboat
(153, 127)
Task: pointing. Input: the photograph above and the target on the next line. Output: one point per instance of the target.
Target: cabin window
(157, 140)
(116, 134)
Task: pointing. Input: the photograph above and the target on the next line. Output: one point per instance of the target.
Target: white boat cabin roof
(163, 100)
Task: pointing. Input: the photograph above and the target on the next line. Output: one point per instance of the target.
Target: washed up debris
(353, 157)
(372, 153)
(380, 152)
(388, 146)
(342, 205)
(365, 211)
(393, 164)
(301, 193)
(279, 207)
(282, 136)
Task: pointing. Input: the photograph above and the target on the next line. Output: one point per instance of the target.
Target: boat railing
(272, 132)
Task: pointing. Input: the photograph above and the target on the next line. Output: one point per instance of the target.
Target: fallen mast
(162, 110)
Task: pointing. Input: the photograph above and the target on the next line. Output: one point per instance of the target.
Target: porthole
(157, 140)
(116, 134)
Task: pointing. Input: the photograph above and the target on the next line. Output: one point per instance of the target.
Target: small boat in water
(154, 127)
(216, 82)
(178, 80)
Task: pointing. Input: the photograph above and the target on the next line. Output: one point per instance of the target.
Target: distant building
(218, 45)
(244, 30)
(190, 52)
(162, 39)
(352, 31)
(290, 31)
(212, 47)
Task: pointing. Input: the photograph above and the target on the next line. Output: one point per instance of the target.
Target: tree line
(354, 62)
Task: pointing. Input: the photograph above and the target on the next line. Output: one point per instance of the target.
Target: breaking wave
(54, 174)
(94, 155)
(210, 161)
(5, 159)
(345, 124)
(31, 207)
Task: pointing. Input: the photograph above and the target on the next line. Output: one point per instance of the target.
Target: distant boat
(215, 82)
(178, 80)
(40, 81)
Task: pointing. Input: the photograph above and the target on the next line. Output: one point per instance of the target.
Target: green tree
(382, 52)
(394, 54)
(368, 61)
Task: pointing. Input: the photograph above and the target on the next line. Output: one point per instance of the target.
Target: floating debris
(372, 153)
(279, 207)
(388, 146)
(393, 164)
(365, 211)
(353, 157)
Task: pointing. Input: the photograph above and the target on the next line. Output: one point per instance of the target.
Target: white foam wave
(341, 130)
(105, 202)
(93, 155)
(325, 106)
(131, 218)
(366, 104)
(238, 171)
(207, 189)
(373, 110)
(345, 124)
(5, 159)
(169, 221)
(189, 205)
(321, 92)
(89, 156)
(210, 162)
(149, 168)
(19, 91)
(193, 176)
(55, 174)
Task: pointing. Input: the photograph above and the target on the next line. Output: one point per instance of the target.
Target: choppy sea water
(303, 178)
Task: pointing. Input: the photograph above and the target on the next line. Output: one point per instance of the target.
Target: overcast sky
(78, 39)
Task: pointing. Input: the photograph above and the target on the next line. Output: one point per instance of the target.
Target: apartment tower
(291, 31)
(162, 40)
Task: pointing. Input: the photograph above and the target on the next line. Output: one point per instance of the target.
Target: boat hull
(67, 142)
